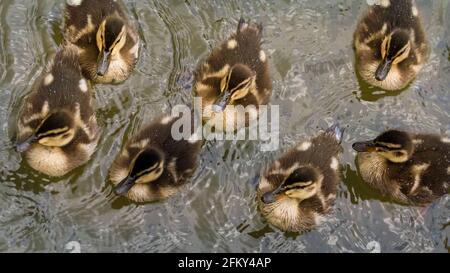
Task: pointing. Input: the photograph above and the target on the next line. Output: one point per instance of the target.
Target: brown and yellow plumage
(57, 127)
(107, 41)
(409, 168)
(235, 73)
(390, 44)
(153, 165)
(299, 188)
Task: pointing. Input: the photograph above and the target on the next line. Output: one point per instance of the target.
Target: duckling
(409, 168)
(57, 129)
(236, 73)
(390, 44)
(108, 43)
(299, 188)
(153, 165)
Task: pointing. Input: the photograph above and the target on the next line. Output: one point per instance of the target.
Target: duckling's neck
(51, 161)
(287, 214)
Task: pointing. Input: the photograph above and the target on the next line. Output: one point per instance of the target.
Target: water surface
(309, 43)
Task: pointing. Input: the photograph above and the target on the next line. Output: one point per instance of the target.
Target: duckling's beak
(221, 102)
(25, 145)
(103, 63)
(124, 186)
(383, 70)
(364, 146)
(270, 197)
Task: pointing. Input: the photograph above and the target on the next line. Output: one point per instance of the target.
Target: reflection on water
(368, 92)
(314, 83)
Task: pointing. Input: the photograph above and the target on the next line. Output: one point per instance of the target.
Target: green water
(311, 58)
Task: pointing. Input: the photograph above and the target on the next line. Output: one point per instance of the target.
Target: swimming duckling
(235, 74)
(299, 188)
(57, 128)
(390, 44)
(107, 41)
(409, 168)
(153, 165)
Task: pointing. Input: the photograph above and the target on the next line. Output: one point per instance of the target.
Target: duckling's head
(235, 85)
(146, 167)
(395, 146)
(292, 206)
(395, 48)
(111, 37)
(55, 130)
(301, 184)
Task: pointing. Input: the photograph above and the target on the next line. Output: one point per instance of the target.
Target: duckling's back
(158, 134)
(62, 86)
(399, 14)
(81, 13)
(432, 153)
(242, 47)
(321, 153)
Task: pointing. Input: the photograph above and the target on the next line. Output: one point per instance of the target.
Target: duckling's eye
(398, 154)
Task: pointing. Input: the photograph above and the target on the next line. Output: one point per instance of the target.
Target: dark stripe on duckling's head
(394, 49)
(235, 85)
(147, 166)
(300, 178)
(111, 37)
(394, 139)
(147, 161)
(238, 74)
(302, 183)
(54, 122)
(56, 130)
(113, 27)
(398, 42)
